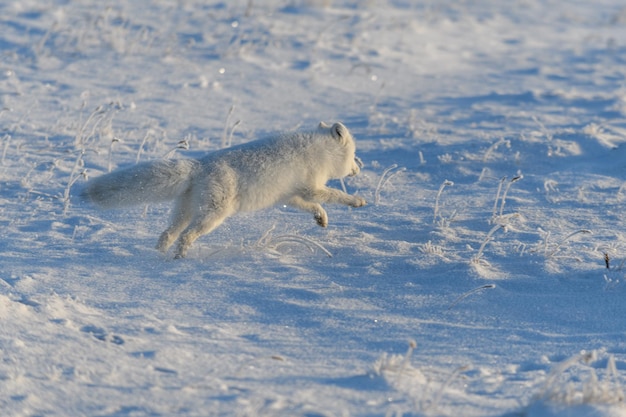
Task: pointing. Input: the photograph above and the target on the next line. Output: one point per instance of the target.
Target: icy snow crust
(484, 278)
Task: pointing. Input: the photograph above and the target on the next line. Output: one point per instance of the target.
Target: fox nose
(355, 171)
(356, 168)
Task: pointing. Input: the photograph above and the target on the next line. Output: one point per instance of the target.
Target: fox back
(270, 171)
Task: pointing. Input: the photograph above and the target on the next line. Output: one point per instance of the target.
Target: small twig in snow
(558, 246)
(437, 399)
(232, 131)
(7, 141)
(268, 241)
(74, 176)
(494, 229)
(384, 178)
(407, 357)
(467, 294)
(495, 146)
(299, 239)
(506, 191)
(443, 185)
(110, 162)
(495, 203)
(226, 125)
(183, 144)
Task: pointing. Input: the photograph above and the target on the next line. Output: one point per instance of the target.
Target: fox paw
(181, 252)
(321, 218)
(357, 202)
(165, 241)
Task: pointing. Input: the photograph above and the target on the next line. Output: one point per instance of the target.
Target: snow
(485, 277)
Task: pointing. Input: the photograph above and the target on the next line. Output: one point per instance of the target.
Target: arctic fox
(290, 168)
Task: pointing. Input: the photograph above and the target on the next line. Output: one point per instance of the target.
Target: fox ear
(323, 125)
(340, 132)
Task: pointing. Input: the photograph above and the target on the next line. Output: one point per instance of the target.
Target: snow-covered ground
(486, 276)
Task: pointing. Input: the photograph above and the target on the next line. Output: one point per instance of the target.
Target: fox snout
(356, 167)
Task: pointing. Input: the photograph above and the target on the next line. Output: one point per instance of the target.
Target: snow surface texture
(486, 277)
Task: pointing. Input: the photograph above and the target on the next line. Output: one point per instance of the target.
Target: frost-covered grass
(492, 139)
(565, 393)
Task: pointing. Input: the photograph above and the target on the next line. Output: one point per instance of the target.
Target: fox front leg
(334, 196)
(319, 214)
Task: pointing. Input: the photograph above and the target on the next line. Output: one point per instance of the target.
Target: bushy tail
(149, 182)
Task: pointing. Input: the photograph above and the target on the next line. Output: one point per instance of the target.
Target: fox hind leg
(212, 203)
(181, 217)
(201, 225)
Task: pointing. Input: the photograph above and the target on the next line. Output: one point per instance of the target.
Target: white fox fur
(290, 168)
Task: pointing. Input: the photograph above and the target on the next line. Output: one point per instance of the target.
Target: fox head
(348, 164)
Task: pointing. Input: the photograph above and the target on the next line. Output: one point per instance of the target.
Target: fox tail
(148, 182)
